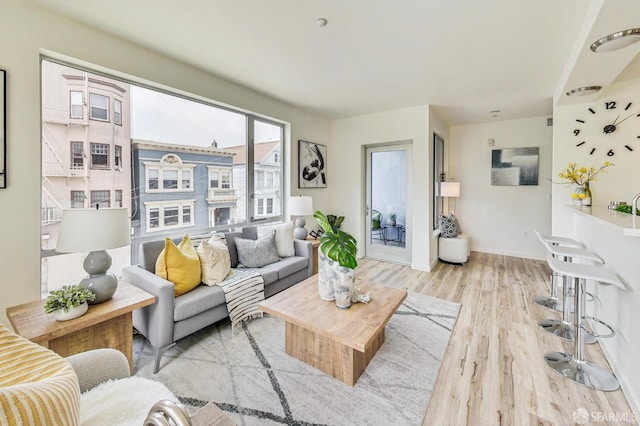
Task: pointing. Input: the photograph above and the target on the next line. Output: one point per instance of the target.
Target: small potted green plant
(392, 219)
(337, 263)
(68, 302)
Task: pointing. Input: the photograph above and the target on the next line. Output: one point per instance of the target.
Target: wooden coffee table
(339, 342)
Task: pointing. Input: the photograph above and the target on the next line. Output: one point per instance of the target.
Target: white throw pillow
(284, 237)
(214, 260)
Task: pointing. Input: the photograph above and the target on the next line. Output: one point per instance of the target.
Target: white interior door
(388, 213)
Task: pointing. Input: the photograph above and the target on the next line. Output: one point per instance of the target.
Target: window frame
(72, 104)
(117, 112)
(160, 207)
(91, 106)
(95, 192)
(74, 199)
(107, 148)
(73, 165)
(117, 157)
(161, 169)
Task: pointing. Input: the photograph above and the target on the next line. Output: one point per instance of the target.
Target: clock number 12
(610, 105)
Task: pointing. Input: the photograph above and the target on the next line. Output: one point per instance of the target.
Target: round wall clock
(608, 128)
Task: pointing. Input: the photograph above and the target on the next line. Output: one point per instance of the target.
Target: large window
(195, 149)
(76, 107)
(99, 107)
(99, 156)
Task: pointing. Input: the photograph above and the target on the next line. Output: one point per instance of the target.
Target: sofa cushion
(257, 253)
(230, 238)
(284, 237)
(287, 266)
(214, 260)
(198, 300)
(179, 264)
(268, 275)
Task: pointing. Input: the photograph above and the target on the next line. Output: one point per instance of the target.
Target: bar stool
(552, 301)
(564, 328)
(574, 366)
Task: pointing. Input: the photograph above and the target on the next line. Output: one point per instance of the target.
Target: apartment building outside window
(77, 155)
(99, 107)
(99, 156)
(117, 112)
(118, 198)
(77, 199)
(76, 107)
(101, 199)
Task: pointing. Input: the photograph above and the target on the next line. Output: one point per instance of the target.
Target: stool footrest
(599, 321)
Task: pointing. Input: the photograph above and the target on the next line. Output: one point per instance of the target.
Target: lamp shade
(301, 205)
(449, 189)
(83, 230)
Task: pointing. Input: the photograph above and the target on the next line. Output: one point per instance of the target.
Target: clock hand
(615, 121)
(624, 119)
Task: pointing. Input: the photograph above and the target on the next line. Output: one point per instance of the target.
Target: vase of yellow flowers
(582, 177)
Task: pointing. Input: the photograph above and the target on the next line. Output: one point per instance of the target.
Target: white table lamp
(449, 190)
(94, 231)
(300, 206)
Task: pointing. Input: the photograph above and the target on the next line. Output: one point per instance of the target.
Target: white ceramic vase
(335, 282)
(72, 313)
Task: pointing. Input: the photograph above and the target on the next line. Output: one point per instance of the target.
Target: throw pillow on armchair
(449, 226)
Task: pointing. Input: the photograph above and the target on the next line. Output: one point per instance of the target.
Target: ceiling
(464, 57)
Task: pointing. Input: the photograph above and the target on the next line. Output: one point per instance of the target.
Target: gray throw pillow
(449, 227)
(257, 253)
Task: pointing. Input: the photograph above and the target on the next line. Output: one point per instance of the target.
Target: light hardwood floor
(493, 372)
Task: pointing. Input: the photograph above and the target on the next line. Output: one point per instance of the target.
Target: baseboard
(633, 404)
(524, 255)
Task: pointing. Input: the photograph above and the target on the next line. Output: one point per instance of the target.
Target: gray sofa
(171, 318)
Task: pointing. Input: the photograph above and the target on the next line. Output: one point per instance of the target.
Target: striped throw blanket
(243, 290)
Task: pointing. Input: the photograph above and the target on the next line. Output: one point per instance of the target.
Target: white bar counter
(612, 235)
(629, 225)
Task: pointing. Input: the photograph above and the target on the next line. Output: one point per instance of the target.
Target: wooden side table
(315, 244)
(105, 325)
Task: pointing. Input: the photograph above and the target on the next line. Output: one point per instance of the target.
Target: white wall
(346, 167)
(33, 30)
(500, 219)
(622, 181)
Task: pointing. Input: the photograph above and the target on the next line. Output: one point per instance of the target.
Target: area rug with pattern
(249, 376)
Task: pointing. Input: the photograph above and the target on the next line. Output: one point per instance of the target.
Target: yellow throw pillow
(180, 265)
(214, 260)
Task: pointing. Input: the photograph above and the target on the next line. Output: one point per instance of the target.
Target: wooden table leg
(333, 358)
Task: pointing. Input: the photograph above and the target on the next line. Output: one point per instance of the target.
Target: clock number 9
(576, 132)
(610, 153)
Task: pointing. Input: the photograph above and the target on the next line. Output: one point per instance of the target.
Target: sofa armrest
(155, 322)
(305, 249)
(97, 366)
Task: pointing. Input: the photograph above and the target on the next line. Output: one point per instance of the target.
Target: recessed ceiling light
(321, 22)
(584, 91)
(494, 113)
(616, 41)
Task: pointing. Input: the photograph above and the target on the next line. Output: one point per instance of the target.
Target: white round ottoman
(454, 250)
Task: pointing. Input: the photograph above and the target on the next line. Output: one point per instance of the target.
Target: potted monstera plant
(336, 263)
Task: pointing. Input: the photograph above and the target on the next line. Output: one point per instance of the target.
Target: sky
(166, 118)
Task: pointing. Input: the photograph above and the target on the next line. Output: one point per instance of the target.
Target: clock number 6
(576, 132)
(610, 153)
